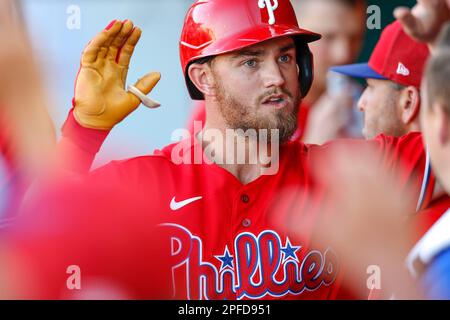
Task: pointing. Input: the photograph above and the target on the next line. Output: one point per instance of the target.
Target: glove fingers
(119, 39)
(127, 49)
(100, 42)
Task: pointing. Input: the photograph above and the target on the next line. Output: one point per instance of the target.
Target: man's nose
(273, 76)
(362, 101)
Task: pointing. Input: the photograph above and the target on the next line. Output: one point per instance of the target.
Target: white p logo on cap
(270, 8)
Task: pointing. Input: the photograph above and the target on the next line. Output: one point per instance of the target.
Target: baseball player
(391, 100)
(227, 222)
(342, 37)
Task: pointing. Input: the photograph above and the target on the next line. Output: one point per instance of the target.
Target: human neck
(242, 156)
(413, 127)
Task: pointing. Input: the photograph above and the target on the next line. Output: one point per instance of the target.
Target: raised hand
(101, 100)
(424, 21)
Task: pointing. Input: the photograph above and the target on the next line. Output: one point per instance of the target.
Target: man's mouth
(276, 101)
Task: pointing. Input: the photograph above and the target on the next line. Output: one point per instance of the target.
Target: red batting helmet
(213, 27)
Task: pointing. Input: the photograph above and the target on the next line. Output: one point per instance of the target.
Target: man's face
(380, 104)
(342, 30)
(258, 88)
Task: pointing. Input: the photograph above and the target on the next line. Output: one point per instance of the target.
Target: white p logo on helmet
(270, 8)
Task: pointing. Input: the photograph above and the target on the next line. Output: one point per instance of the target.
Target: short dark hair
(437, 75)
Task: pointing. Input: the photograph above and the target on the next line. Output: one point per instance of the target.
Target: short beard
(240, 116)
(392, 124)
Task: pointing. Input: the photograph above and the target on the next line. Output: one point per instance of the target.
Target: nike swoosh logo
(174, 205)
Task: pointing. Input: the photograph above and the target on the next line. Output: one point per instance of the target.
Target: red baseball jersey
(230, 240)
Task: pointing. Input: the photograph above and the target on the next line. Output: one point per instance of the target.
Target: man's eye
(250, 63)
(285, 58)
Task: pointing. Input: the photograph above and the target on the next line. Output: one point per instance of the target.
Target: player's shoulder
(390, 149)
(158, 159)
(412, 138)
(409, 147)
(139, 167)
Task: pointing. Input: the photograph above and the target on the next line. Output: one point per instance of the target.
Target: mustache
(276, 91)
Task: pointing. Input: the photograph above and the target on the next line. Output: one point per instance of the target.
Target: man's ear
(201, 77)
(410, 104)
(443, 121)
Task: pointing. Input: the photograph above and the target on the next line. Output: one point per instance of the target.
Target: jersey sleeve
(78, 146)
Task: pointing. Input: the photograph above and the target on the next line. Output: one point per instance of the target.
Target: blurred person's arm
(23, 106)
(333, 116)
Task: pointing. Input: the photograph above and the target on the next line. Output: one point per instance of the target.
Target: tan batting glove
(101, 100)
